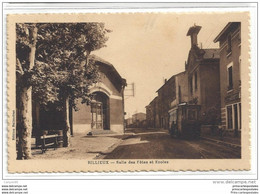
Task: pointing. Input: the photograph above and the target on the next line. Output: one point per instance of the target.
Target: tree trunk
(25, 124)
(66, 131)
(24, 127)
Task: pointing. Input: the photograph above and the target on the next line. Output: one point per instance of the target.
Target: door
(96, 115)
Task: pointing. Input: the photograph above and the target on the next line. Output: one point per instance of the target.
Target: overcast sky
(148, 48)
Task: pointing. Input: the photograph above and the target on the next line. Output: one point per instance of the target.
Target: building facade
(129, 122)
(181, 90)
(105, 113)
(152, 116)
(230, 78)
(139, 120)
(166, 94)
(202, 69)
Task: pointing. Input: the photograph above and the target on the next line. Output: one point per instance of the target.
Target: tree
(62, 72)
(25, 57)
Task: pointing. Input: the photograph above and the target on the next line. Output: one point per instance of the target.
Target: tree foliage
(61, 67)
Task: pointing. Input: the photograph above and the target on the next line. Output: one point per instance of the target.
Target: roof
(169, 80)
(155, 98)
(139, 113)
(211, 53)
(109, 65)
(228, 28)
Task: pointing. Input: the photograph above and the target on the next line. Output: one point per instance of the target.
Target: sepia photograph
(129, 97)
(127, 90)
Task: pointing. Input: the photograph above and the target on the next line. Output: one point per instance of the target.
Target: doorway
(236, 119)
(100, 111)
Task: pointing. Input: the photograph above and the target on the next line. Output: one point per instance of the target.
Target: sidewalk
(226, 140)
(82, 147)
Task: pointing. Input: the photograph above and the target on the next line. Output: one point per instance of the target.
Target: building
(199, 85)
(149, 116)
(166, 94)
(181, 90)
(105, 114)
(152, 116)
(230, 78)
(139, 120)
(202, 69)
(129, 122)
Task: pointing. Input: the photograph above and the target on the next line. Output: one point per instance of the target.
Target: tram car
(185, 121)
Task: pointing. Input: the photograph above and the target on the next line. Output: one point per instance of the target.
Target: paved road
(154, 144)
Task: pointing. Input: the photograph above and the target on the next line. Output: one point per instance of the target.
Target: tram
(185, 121)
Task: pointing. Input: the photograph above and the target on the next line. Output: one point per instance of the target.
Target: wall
(182, 81)
(166, 94)
(116, 115)
(210, 92)
(225, 60)
(82, 119)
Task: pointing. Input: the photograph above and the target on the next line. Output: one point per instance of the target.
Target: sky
(148, 48)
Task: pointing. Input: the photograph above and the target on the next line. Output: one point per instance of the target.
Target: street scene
(142, 144)
(167, 91)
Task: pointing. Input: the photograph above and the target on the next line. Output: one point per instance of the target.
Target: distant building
(230, 78)
(149, 116)
(152, 116)
(139, 120)
(129, 122)
(202, 69)
(166, 94)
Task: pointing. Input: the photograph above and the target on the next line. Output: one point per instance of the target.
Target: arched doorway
(100, 111)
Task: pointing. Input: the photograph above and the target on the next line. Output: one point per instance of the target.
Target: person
(220, 129)
(172, 131)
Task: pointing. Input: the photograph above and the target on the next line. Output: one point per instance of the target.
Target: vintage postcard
(125, 92)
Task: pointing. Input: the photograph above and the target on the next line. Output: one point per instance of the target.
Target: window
(190, 83)
(229, 117)
(239, 63)
(230, 76)
(229, 44)
(196, 79)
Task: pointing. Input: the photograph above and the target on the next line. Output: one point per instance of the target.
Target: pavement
(226, 140)
(82, 147)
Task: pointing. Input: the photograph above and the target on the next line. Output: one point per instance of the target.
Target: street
(138, 144)
(155, 144)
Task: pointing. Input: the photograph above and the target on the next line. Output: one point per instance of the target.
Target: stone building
(166, 94)
(152, 116)
(149, 116)
(230, 78)
(105, 114)
(202, 69)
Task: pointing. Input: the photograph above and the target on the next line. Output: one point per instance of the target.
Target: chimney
(193, 33)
